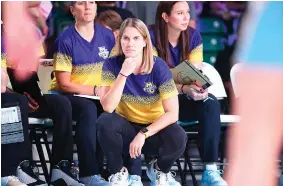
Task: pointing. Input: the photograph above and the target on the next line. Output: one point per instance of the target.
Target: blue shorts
(261, 39)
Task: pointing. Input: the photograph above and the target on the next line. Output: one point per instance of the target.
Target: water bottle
(75, 169)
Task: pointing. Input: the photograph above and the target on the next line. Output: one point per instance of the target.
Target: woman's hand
(32, 108)
(129, 66)
(136, 145)
(195, 92)
(97, 91)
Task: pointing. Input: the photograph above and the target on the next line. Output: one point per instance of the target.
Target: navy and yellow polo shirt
(83, 59)
(142, 96)
(195, 47)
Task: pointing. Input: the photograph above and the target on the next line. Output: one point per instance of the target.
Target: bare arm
(65, 84)
(111, 96)
(31, 4)
(171, 108)
(4, 79)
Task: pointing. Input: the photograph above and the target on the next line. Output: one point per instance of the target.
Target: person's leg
(85, 114)
(258, 136)
(59, 109)
(115, 134)
(169, 144)
(99, 151)
(207, 112)
(13, 154)
(256, 142)
(16, 157)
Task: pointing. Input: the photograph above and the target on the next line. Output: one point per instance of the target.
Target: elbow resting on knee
(108, 109)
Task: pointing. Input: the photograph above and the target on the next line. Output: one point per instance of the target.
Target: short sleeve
(196, 46)
(108, 73)
(62, 56)
(3, 60)
(166, 85)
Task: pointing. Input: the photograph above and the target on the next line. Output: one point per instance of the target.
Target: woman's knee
(59, 102)
(212, 103)
(177, 137)
(107, 122)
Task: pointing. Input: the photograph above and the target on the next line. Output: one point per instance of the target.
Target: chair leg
(189, 162)
(44, 136)
(222, 149)
(41, 156)
(183, 177)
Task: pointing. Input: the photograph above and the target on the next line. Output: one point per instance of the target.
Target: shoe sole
(61, 175)
(205, 184)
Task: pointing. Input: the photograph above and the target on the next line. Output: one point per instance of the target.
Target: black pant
(59, 109)
(13, 154)
(209, 127)
(85, 112)
(115, 134)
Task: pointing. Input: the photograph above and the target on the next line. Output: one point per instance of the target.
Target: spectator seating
(213, 32)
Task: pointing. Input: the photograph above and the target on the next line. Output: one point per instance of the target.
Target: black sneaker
(28, 174)
(63, 171)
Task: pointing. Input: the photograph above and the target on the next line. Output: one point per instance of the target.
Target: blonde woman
(141, 89)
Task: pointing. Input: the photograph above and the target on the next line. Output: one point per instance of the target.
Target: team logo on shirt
(149, 88)
(103, 52)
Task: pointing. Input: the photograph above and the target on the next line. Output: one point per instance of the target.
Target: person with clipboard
(175, 41)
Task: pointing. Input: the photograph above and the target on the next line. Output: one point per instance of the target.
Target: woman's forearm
(162, 122)
(112, 98)
(74, 88)
(179, 88)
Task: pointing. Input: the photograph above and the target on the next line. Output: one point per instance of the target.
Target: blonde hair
(147, 63)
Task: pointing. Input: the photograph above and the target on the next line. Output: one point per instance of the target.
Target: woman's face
(84, 11)
(179, 17)
(132, 42)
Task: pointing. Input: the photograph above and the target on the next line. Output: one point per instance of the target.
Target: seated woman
(79, 54)
(175, 42)
(141, 89)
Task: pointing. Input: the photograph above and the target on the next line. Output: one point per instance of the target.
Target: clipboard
(186, 73)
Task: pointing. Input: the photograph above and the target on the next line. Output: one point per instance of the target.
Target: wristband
(123, 75)
(94, 90)
(182, 89)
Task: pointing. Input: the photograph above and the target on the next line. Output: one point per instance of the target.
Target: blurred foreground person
(256, 142)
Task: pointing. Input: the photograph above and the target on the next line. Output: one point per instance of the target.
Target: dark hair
(73, 3)
(110, 18)
(161, 34)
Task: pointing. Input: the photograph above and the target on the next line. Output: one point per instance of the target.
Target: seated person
(78, 59)
(111, 20)
(175, 41)
(16, 158)
(111, 5)
(58, 108)
(141, 89)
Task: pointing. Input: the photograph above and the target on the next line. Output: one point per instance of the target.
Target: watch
(145, 132)
(94, 88)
